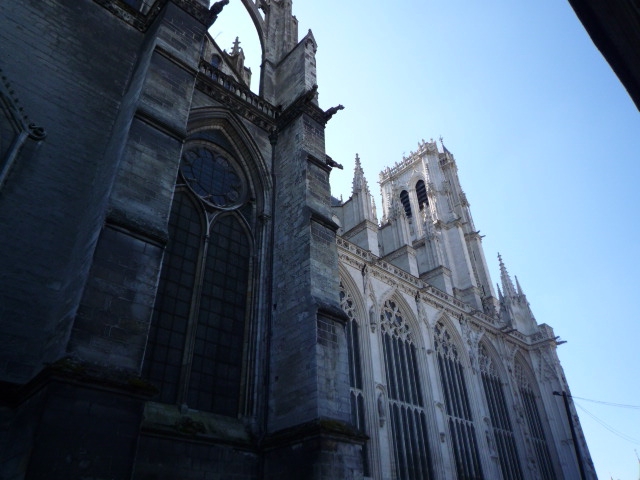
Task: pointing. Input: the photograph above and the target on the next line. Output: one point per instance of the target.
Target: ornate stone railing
(445, 296)
(423, 147)
(240, 91)
(360, 252)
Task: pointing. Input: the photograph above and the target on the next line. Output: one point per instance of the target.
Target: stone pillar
(310, 435)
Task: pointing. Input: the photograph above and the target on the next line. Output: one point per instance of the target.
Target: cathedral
(181, 297)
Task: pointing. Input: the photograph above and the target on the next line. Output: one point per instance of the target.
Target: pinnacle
(359, 181)
(507, 284)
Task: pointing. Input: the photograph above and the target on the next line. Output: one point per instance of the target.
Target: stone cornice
(236, 97)
(142, 20)
(138, 20)
(71, 371)
(318, 428)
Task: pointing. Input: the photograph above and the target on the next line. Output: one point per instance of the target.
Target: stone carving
(382, 410)
(215, 10)
(332, 111)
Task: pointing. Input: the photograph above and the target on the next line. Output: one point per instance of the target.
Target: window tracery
(195, 352)
(457, 405)
(356, 396)
(534, 421)
(213, 177)
(406, 404)
(499, 417)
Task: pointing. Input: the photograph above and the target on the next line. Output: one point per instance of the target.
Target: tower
(427, 226)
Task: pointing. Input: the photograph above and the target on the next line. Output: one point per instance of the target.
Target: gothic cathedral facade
(182, 298)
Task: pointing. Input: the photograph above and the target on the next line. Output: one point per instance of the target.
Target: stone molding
(71, 371)
(320, 427)
(143, 20)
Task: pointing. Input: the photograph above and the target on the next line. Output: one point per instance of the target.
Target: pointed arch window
(421, 192)
(195, 353)
(458, 406)
(404, 198)
(356, 396)
(407, 415)
(499, 416)
(534, 421)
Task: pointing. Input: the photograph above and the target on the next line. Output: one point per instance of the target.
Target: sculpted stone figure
(215, 10)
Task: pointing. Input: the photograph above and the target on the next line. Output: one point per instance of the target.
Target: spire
(520, 292)
(500, 296)
(444, 149)
(507, 284)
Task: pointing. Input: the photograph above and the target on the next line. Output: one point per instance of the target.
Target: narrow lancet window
(534, 422)
(502, 430)
(411, 454)
(421, 192)
(356, 396)
(458, 406)
(404, 198)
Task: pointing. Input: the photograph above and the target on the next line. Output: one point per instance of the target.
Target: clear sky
(547, 143)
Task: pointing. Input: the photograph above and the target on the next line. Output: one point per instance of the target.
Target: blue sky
(547, 144)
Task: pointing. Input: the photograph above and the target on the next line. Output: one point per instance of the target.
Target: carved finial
(215, 10)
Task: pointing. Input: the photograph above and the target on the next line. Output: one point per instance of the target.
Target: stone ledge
(318, 428)
(71, 371)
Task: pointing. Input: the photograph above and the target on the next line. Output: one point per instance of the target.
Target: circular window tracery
(213, 177)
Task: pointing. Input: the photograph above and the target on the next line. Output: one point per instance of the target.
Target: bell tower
(427, 226)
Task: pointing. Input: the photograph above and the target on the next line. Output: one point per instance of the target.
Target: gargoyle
(215, 10)
(332, 111)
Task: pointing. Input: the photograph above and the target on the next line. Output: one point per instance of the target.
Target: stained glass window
(356, 396)
(195, 352)
(406, 404)
(534, 422)
(499, 416)
(458, 407)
